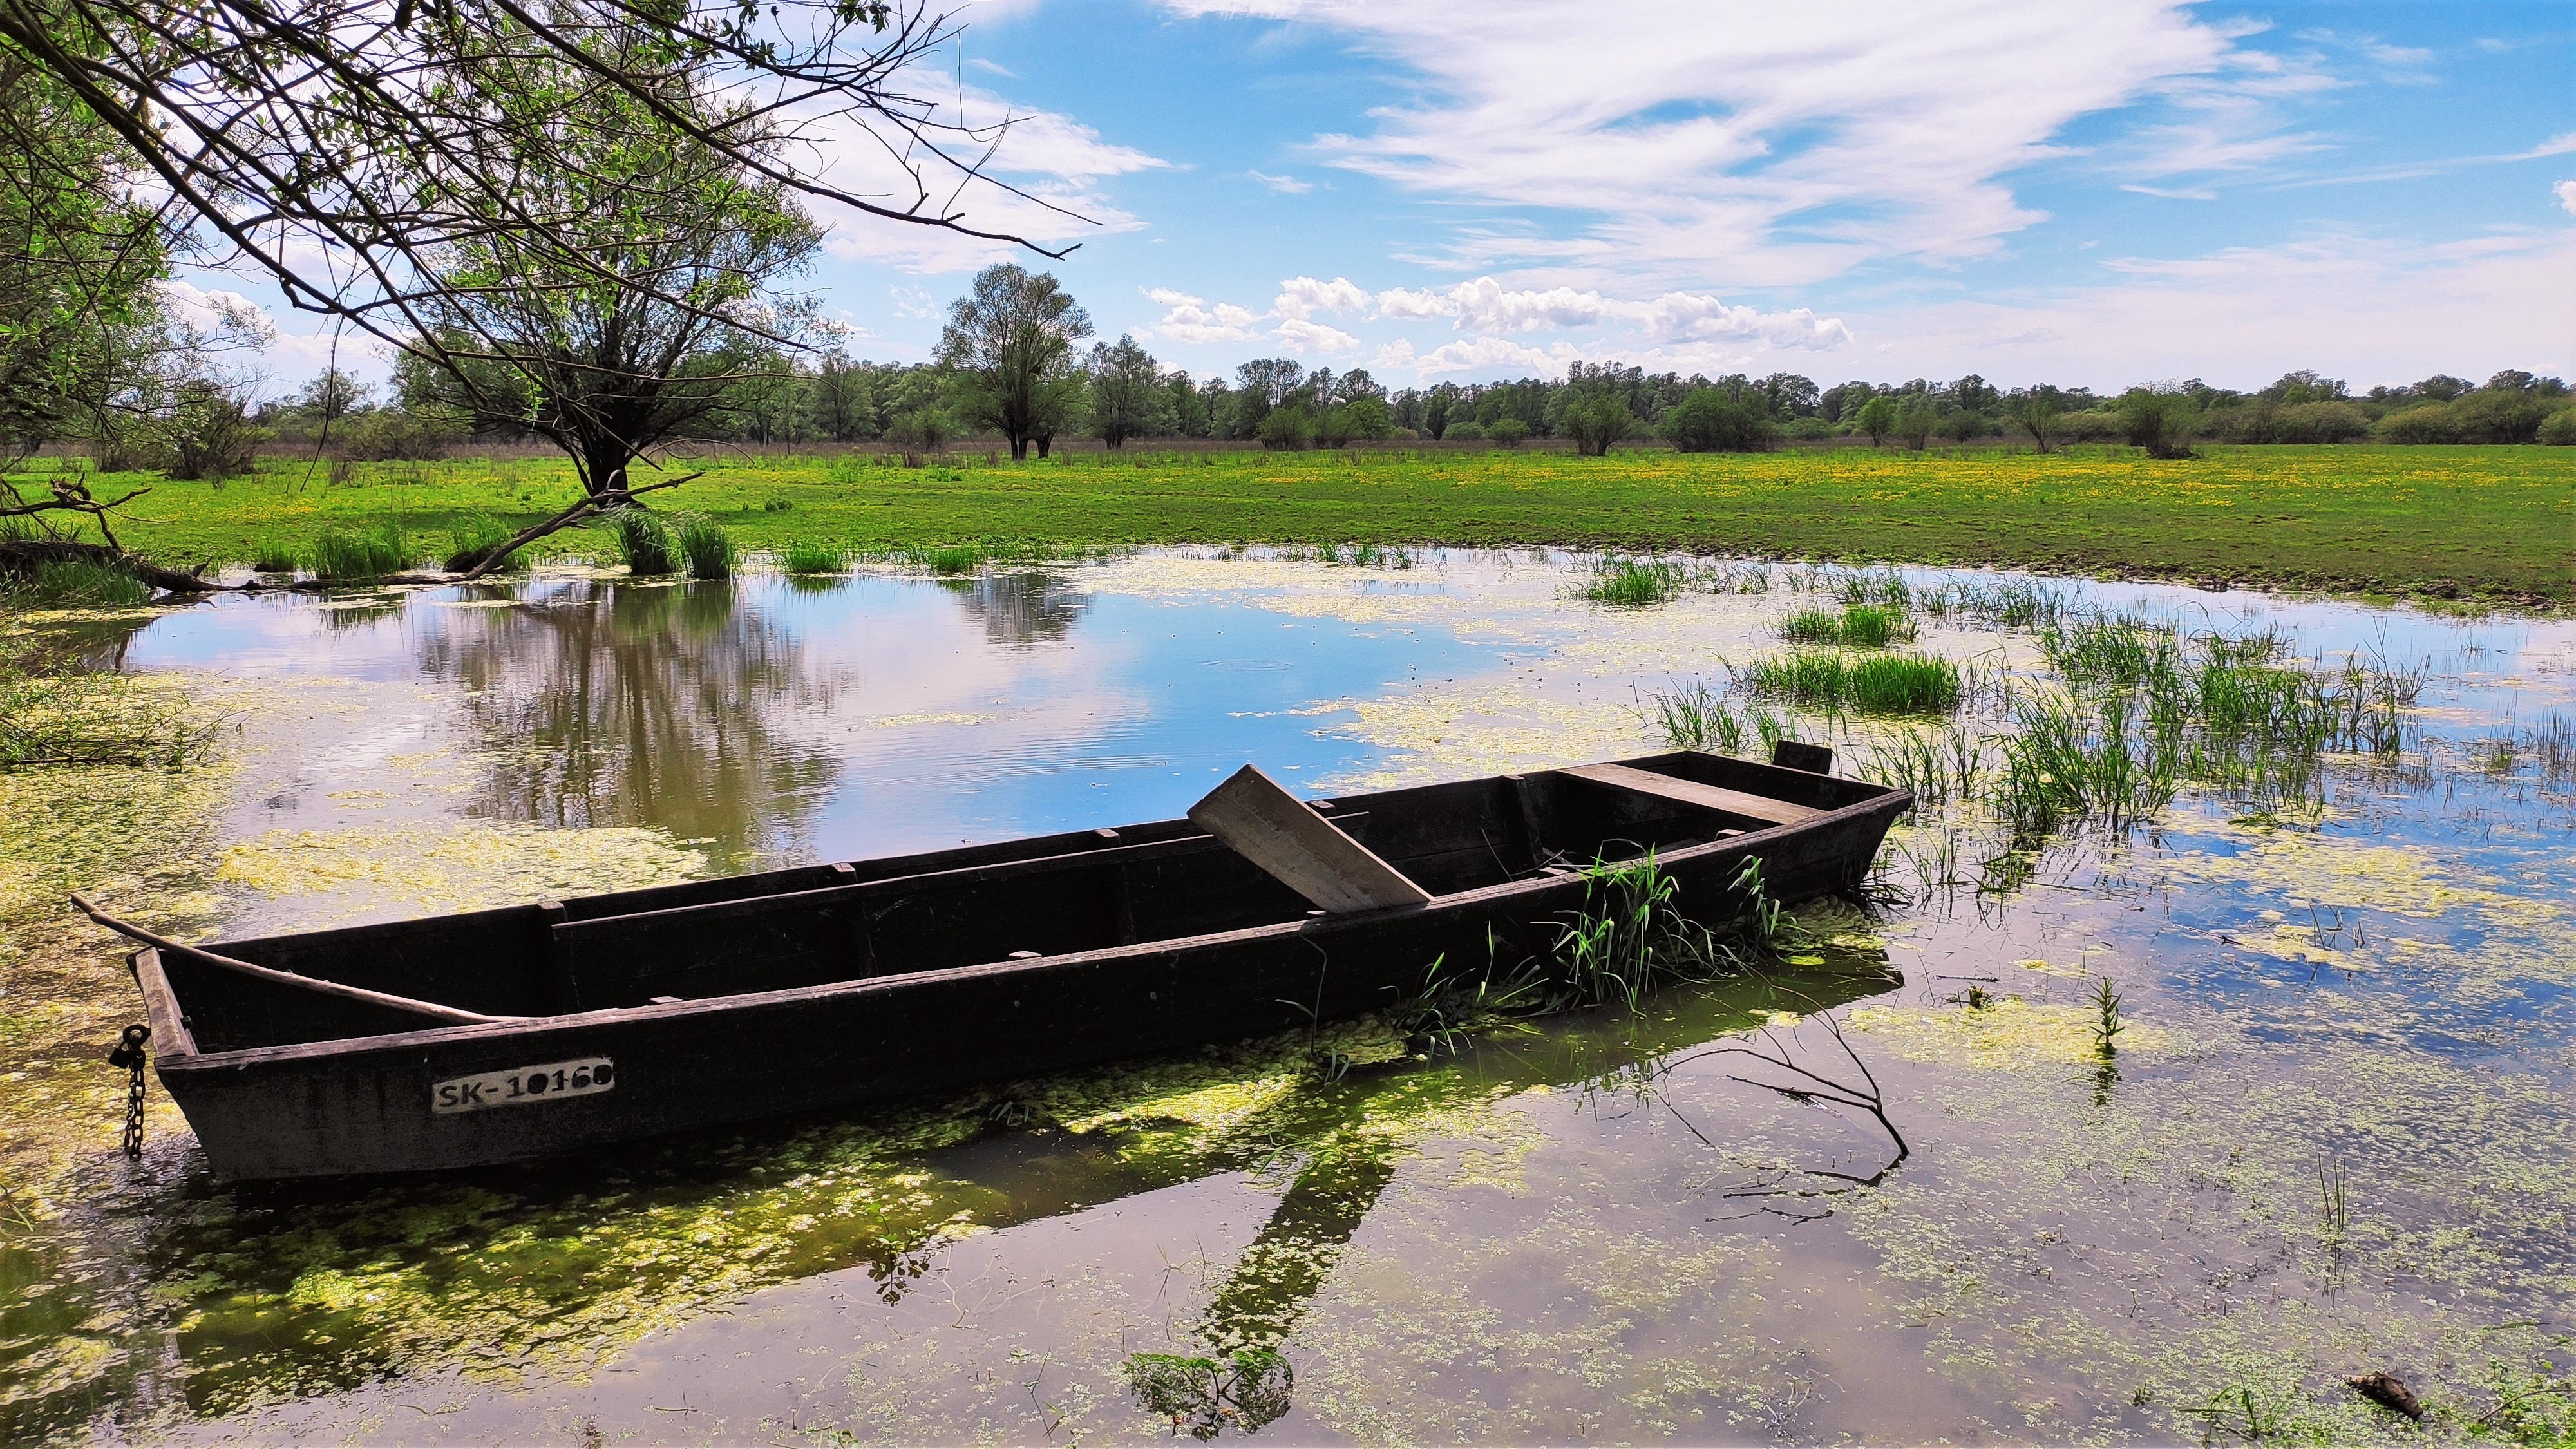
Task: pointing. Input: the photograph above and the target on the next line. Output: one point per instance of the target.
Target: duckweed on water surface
(2335, 1137)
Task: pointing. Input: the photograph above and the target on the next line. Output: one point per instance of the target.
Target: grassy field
(2489, 523)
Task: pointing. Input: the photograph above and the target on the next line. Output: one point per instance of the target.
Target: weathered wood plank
(1283, 835)
(1691, 792)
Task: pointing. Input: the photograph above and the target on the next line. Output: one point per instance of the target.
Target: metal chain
(130, 1054)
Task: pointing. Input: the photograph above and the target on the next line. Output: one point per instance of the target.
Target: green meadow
(2493, 524)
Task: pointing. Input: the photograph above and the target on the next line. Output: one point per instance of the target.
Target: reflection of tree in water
(620, 705)
(1020, 611)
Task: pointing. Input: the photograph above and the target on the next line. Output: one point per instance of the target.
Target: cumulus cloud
(1191, 322)
(1487, 306)
(1780, 146)
(2566, 193)
(1302, 297)
(1303, 336)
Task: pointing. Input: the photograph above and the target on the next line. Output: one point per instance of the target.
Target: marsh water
(2336, 1136)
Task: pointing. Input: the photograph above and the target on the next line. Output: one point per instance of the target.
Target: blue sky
(2098, 194)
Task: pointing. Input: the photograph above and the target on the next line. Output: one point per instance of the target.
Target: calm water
(2339, 1138)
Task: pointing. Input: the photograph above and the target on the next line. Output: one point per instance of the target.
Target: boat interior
(1042, 896)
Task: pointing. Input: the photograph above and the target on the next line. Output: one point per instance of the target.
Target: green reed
(644, 542)
(351, 555)
(813, 556)
(1878, 684)
(705, 547)
(1633, 583)
(1855, 626)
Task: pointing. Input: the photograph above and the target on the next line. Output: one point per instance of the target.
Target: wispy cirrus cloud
(1769, 147)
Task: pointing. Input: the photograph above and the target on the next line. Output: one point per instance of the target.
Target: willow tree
(1010, 342)
(648, 298)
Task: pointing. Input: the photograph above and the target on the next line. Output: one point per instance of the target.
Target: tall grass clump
(1856, 626)
(274, 555)
(644, 542)
(1633, 582)
(342, 554)
(75, 583)
(948, 558)
(813, 556)
(2145, 710)
(475, 540)
(706, 547)
(1877, 684)
(1693, 716)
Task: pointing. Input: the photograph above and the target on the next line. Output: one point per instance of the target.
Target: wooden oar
(455, 1016)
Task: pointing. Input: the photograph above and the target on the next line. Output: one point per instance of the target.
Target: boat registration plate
(520, 1086)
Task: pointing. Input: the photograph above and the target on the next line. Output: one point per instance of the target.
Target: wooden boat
(509, 1035)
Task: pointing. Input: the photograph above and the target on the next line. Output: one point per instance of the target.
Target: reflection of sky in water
(1537, 1247)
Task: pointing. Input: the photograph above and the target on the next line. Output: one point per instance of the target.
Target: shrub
(1594, 423)
(706, 546)
(1463, 433)
(2558, 429)
(2431, 423)
(1710, 421)
(2160, 422)
(922, 430)
(1288, 430)
(808, 556)
(2499, 416)
(2320, 422)
(643, 541)
(208, 433)
(1807, 429)
(391, 435)
(1877, 417)
(1507, 432)
(345, 554)
(1914, 424)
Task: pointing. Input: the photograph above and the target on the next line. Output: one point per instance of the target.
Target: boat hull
(406, 1101)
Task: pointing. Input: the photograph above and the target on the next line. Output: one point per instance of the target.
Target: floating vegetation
(1876, 684)
(1854, 626)
(354, 556)
(460, 865)
(643, 541)
(68, 717)
(1999, 1032)
(1630, 583)
(706, 547)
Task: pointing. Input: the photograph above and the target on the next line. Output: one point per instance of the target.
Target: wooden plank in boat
(1691, 792)
(1301, 849)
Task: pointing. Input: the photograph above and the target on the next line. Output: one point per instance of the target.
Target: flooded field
(2336, 1136)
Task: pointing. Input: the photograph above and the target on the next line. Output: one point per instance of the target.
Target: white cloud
(1287, 184)
(1303, 336)
(1040, 182)
(1487, 306)
(1302, 297)
(2352, 307)
(2170, 195)
(1191, 322)
(1772, 147)
(1489, 354)
(2566, 194)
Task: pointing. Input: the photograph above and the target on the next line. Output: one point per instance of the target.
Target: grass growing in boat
(1632, 583)
(1880, 684)
(643, 542)
(353, 555)
(1855, 626)
(706, 547)
(813, 556)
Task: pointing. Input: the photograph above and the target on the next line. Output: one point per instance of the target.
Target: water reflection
(617, 704)
(1022, 610)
